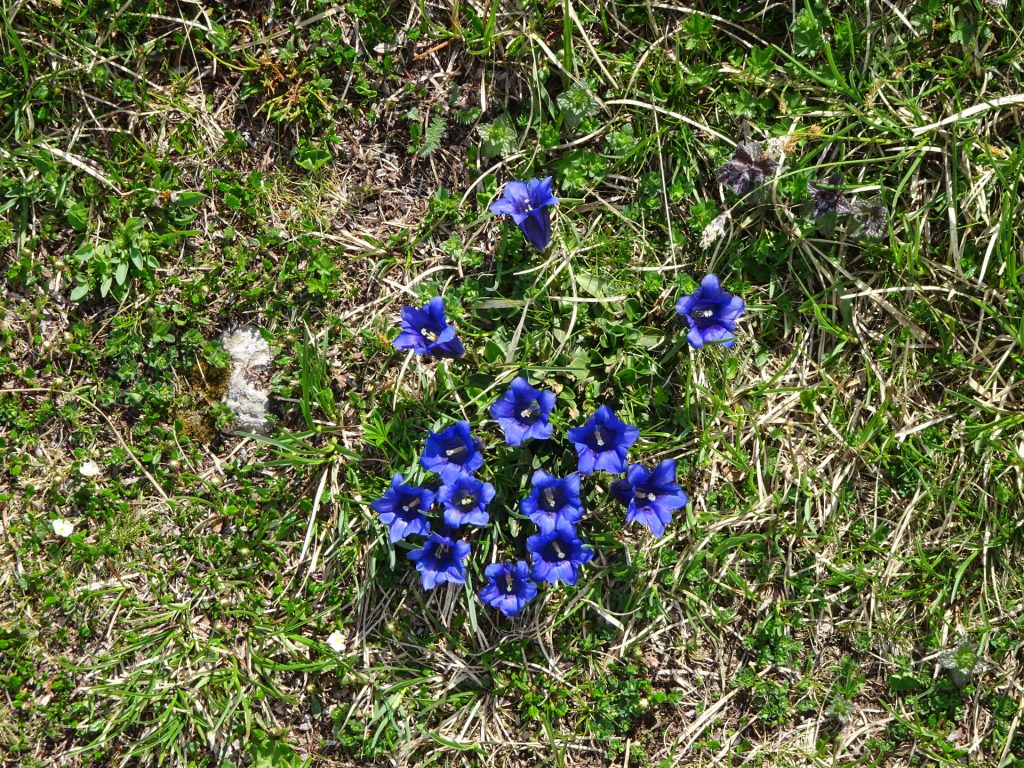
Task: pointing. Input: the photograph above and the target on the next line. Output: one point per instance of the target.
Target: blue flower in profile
(452, 451)
(509, 588)
(527, 203)
(712, 314)
(426, 331)
(558, 554)
(465, 501)
(440, 559)
(602, 442)
(651, 495)
(402, 508)
(552, 499)
(523, 412)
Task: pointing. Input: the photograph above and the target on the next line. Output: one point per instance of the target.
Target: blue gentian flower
(552, 499)
(441, 559)
(712, 314)
(523, 412)
(426, 331)
(603, 441)
(402, 508)
(558, 554)
(465, 500)
(509, 588)
(452, 451)
(527, 203)
(651, 495)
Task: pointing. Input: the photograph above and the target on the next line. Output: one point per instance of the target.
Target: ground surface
(845, 587)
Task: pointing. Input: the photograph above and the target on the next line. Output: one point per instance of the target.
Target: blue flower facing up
(523, 412)
(465, 501)
(558, 554)
(712, 314)
(441, 559)
(509, 588)
(426, 331)
(402, 508)
(651, 495)
(452, 451)
(527, 202)
(552, 499)
(602, 442)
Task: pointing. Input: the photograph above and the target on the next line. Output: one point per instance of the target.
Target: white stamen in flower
(533, 409)
(599, 437)
(549, 496)
(455, 451)
(411, 504)
(702, 314)
(558, 549)
(509, 586)
(652, 497)
(428, 334)
(466, 500)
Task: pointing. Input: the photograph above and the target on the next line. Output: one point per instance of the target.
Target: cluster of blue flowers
(554, 504)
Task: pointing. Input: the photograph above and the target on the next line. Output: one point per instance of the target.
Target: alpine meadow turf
(728, 297)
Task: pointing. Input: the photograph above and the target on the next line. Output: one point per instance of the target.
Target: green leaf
(311, 158)
(188, 199)
(274, 754)
(904, 681)
(80, 291)
(594, 285)
(432, 138)
(78, 216)
(122, 273)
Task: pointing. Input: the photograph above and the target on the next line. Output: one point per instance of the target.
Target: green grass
(845, 587)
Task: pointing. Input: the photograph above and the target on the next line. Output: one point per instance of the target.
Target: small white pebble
(89, 469)
(62, 527)
(337, 641)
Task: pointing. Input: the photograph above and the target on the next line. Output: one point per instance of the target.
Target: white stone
(248, 395)
(89, 469)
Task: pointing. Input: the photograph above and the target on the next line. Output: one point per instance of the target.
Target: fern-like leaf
(432, 138)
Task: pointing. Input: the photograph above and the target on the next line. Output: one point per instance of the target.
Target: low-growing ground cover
(843, 586)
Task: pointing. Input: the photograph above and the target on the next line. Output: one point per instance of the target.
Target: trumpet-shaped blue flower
(552, 499)
(402, 508)
(651, 495)
(452, 451)
(527, 203)
(712, 314)
(465, 500)
(558, 554)
(509, 587)
(426, 331)
(602, 442)
(523, 412)
(440, 559)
